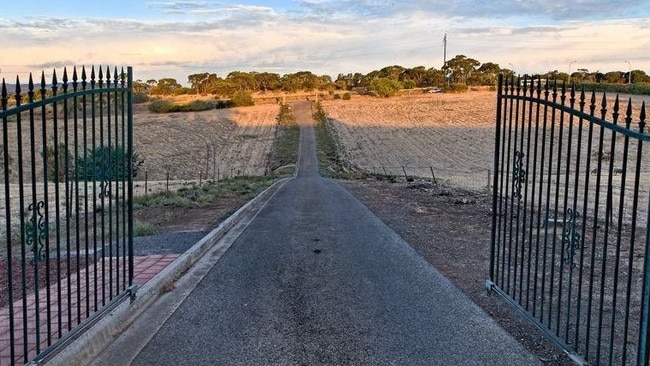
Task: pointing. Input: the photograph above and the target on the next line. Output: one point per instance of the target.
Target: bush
(337, 96)
(167, 106)
(347, 96)
(164, 106)
(223, 104)
(139, 98)
(242, 98)
(106, 163)
(385, 87)
(197, 106)
(456, 88)
(409, 84)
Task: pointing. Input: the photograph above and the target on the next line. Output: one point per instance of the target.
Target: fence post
(405, 176)
(168, 181)
(146, 183)
(488, 181)
(214, 162)
(433, 176)
(383, 167)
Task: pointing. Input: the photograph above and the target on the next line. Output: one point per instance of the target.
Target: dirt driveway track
(317, 279)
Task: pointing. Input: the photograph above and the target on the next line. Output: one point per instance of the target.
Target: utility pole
(444, 53)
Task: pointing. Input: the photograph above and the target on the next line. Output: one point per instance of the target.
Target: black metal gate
(570, 224)
(67, 249)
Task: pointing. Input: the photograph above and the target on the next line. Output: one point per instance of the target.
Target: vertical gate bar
(102, 187)
(536, 196)
(556, 208)
(85, 173)
(112, 161)
(93, 181)
(10, 282)
(120, 172)
(22, 195)
(643, 354)
(37, 254)
(77, 206)
(495, 188)
(123, 99)
(528, 206)
(581, 102)
(34, 205)
(621, 208)
(572, 215)
(603, 114)
(520, 116)
(129, 103)
(503, 195)
(592, 111)
(68, 206)
(57, 214)
(513, 260)
(610, 207)
(507, 264)
(550, 159)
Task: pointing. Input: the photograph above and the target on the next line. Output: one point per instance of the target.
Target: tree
(391, 72)
(267, 81)
(385, 87)
(417, 75)
(462, 68)
(614, 77)
(165, 86)
(489, 72)
(198, 81)
(243, 80)
(639, 76)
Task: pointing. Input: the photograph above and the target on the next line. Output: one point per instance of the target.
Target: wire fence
(169, 181)
(475, 179)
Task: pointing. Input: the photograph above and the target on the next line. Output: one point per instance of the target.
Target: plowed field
(451, 134)
(220, 142)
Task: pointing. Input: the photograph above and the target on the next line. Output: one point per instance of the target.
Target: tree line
(460, 71)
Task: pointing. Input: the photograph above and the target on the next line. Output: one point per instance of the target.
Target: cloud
(332, 36)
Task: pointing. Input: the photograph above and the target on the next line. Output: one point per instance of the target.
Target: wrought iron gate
(570, 218)
(66, 213)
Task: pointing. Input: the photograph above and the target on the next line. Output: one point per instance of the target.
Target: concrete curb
(91, 343)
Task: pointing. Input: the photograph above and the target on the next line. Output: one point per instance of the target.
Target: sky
(178, 38)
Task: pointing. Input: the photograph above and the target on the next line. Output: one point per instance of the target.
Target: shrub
(385, 87)
(223, 104)
(139, 98)
(242, 98)
(347, 96)
(197, 106)
(409, 84)
(456, 88)
(106, 163)
(163, 106)
(337, 96)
